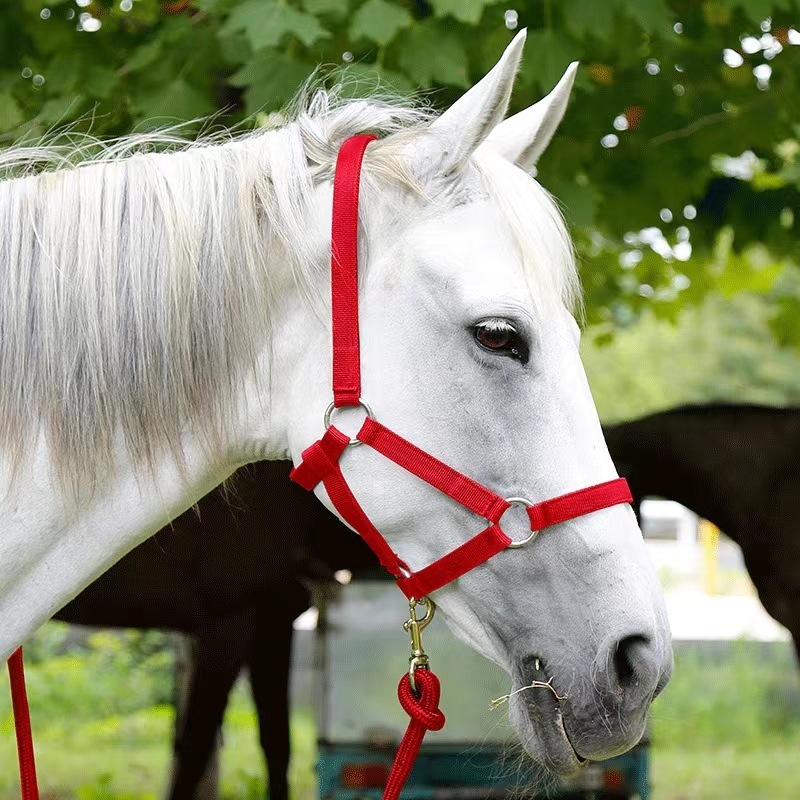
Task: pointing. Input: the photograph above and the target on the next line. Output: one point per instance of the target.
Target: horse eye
(500, 337)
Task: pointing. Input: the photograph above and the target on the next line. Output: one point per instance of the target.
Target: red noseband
(320, 462)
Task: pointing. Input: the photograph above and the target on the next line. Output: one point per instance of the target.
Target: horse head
(470, 350)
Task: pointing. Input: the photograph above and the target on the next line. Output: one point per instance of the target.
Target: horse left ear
(461, 129)
(525, 136)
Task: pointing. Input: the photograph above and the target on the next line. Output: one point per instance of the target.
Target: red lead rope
(28, 785)
(423, 708)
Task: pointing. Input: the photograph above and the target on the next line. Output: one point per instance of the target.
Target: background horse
(240, 601)
(735, 465)
(163, 323)
(223, 575)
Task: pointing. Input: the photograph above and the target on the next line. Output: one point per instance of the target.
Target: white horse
(165, 318)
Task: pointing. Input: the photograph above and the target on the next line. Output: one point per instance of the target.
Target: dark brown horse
(227, 582)
(233, 575)
(737, 466)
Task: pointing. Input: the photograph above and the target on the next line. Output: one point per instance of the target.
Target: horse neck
(52, 549)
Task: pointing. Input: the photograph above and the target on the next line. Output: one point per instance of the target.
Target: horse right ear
(525, 136)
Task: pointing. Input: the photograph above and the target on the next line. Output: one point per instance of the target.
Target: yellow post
(709, 539)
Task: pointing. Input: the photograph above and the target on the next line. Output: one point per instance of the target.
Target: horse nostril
(626, 657)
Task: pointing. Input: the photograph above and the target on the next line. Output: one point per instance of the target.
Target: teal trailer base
(474, 772)
(360, 653)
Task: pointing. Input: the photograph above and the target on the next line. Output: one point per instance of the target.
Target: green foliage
(379, 21)
(103, 729)
(265, 23)
(79, 681)
(721, 350)
(652, 75)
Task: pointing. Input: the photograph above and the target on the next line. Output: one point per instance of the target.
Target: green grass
(727, 727)
(726, 772)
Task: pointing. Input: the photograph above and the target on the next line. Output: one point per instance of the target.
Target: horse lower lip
(581, 760)
(547, 713)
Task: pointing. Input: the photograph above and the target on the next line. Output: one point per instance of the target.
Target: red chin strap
(419, 689)
(320, 462)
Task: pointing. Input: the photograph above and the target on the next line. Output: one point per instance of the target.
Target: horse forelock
(137, 277)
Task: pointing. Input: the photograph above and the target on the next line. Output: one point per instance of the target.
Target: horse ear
(523, 138)
(466, 124)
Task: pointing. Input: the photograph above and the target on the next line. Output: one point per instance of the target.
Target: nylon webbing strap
(321, 464)
(344, 272)
(578, 503)
(484, 502)
(458, 562)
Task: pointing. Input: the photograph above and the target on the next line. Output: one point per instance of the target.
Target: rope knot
(422, 708)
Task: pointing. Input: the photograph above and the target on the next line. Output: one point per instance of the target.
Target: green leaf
(335, 8)
(757, 10)
(176, 100)
(547, 55)
(379, 21)
(144, 56)
(214, 5)
(64, 72)
(266, 22)
(99, 81)
(469, 11)
(589, 17)
(270, 78)
(653, 15)
(60, 110)
(10, 113)
(579, 202)
(432, 52)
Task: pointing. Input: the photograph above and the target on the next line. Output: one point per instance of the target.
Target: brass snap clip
(414, 626)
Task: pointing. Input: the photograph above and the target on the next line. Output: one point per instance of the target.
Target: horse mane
(134, 288)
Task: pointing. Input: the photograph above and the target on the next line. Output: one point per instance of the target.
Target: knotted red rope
(28, 784)
(425, 716)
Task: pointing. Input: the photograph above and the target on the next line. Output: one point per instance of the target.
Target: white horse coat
(164, 319)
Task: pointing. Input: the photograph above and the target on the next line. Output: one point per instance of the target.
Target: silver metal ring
(329, 413)
(519, 501)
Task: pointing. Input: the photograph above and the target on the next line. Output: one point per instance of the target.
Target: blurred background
(678, 169)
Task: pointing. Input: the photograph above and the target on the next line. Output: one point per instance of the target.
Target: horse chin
(538, 718)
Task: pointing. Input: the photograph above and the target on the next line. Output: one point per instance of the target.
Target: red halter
(320, 463)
